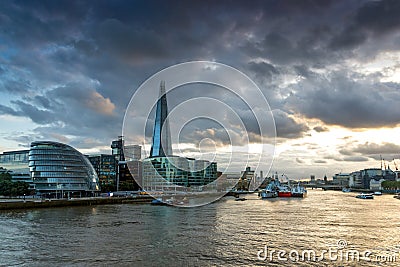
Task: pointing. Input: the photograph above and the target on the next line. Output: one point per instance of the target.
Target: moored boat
(284, 191)
(265, 193)
(378, 193)
(365, 196)
(346, 190)
(299, 191)
(158, 202)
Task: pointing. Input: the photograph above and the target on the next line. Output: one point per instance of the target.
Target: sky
(330, 71)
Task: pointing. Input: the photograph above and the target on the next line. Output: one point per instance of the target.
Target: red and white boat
(284, 191)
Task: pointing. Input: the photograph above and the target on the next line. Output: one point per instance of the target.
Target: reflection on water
(226, 233)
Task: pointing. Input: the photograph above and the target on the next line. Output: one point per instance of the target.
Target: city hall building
(58, 170)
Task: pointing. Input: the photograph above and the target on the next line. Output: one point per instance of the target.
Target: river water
(224, 233)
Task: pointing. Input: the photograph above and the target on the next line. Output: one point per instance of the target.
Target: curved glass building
(59, 170)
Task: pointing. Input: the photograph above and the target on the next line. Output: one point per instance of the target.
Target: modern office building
(132, 152)
(132, 165)
(58, 170)
(341, 179)
(112, 169)
(165, 172)
(174, 173)
(105, 166)
(125, 176)
(161, 144)
(117, 148)
(16, 163)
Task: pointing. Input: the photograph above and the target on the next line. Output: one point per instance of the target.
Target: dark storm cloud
(363, 152)
(281, 50)
(348, 38)
(76, 109)
(36, 115)
(129, 42)
(8, 111)
(287, 127)
(42, 101)
(320, 129)
(374, 18)
(338, 100)
(263, 69)
(372, 150)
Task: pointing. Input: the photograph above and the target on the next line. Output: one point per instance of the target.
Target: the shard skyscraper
(161, 144)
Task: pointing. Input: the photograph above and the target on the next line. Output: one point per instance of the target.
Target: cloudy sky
(330, 71)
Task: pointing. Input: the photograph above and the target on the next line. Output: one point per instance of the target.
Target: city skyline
(329, 70)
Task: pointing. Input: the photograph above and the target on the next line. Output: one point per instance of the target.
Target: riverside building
(58, 170)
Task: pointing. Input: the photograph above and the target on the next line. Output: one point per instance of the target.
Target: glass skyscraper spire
(161, 144)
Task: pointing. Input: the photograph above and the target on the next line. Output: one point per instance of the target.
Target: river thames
(340, 229)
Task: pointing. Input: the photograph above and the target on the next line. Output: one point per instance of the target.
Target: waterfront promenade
(10, 204)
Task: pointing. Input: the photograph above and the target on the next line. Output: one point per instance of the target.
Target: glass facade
(16, 162)
(174, 173)
(161, 144)
(106, 168)
(60, 170)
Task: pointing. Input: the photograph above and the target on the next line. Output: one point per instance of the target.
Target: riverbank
(51, 203)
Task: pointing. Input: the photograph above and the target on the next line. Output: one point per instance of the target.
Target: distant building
(17, 164)
(376, 185)
(125, 180)
(117, 148)
(356, 180)
(376, 174)
(60, 170)
(132, 152)
(371, 177)
(246, 178)
(341, 179)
